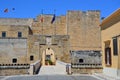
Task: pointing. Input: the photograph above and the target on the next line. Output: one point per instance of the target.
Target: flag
(6, 10)
(13, 8)
(53, 19)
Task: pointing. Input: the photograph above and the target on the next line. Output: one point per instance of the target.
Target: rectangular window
(31, 58)
(3, 34)
(14, 60)
(115, 46)
(19, 34)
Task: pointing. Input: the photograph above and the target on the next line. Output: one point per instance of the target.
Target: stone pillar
(31, 70)
(43, 58)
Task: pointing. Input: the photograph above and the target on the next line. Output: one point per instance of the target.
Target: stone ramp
(58, 69)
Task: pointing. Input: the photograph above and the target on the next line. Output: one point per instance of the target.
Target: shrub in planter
(50, 62)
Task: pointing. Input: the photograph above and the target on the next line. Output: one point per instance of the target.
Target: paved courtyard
(58, 77)
(1, 77)
(50, 77)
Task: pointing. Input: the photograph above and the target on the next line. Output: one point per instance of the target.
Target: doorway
(48, 57)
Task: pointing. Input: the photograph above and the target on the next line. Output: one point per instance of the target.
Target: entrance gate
(48, 57)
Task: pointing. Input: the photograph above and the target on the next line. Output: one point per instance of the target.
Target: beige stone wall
(16, 21)
(84, 30)
(86, 70)
(59, 52)
(33, 49)
(37, 48)
(8, 72)
(76, 30)
(12, 30)
(46, 28)
(13, 47)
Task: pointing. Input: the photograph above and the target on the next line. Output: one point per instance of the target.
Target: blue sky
(32, 8)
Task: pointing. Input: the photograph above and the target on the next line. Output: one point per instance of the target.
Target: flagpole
(55, 24)
(42, 21)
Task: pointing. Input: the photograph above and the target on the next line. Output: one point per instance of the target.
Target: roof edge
(114, 14)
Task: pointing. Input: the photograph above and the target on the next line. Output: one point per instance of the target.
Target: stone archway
(48, 57)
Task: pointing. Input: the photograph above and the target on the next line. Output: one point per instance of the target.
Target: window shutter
(110, 59)
(105, 55)
(115, 47)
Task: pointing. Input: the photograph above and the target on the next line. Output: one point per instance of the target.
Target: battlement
(93, 10)
(75, 11)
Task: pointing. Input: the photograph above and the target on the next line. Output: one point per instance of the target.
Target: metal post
(55, 24)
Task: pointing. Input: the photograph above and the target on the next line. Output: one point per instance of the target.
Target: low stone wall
(34, 68)
(8, 72)
(86, 70)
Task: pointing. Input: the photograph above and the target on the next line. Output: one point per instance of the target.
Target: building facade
(110, 32)
(25, 41)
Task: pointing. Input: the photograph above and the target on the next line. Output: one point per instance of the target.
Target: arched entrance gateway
(48, 57)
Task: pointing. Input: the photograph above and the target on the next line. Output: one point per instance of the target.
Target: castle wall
(75, 31)
(12, 30)
(84, 30)
(15, 21)
(13, 48)
(58, 27)
(8, 72)
(38, 45)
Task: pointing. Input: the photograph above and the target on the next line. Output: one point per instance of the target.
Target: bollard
(68, 69)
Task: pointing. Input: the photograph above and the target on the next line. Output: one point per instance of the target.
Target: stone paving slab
(1, 77)
(59, 77)
(105, 77)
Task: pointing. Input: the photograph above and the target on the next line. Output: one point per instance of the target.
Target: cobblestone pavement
(51, 77)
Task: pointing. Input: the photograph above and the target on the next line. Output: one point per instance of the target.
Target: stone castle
(25, 41)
